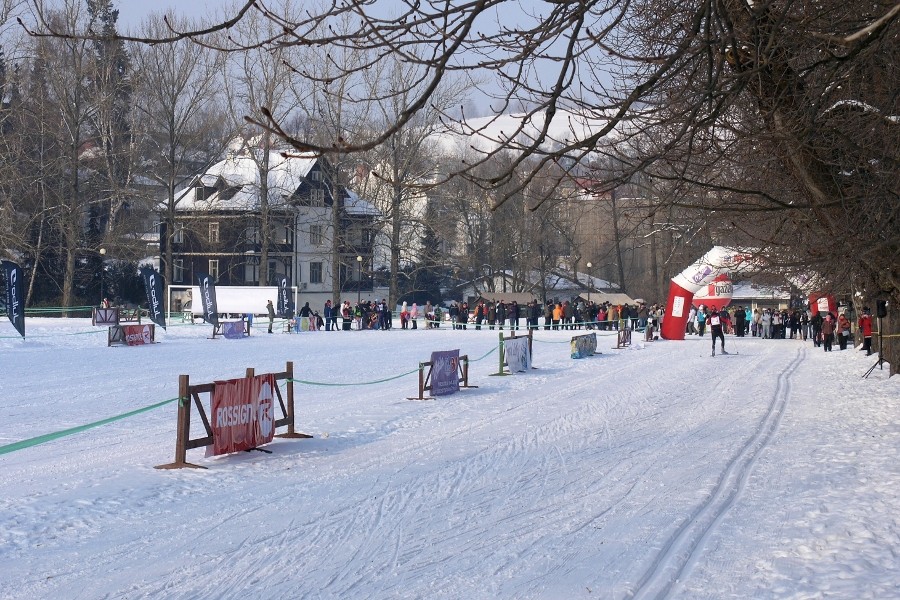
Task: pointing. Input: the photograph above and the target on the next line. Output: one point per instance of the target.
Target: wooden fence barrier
(189, 394)
(512, 336)
(425, 379)
(623, 339)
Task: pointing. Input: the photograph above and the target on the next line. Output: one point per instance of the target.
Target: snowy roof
(557, 281)
(238, 179)
(749, 291)
(489, 133)
(356, 206)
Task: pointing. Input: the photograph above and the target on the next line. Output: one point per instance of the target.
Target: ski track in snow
(680, 551)
(642, 472)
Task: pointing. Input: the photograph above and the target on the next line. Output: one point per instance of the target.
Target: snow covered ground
(655, 471)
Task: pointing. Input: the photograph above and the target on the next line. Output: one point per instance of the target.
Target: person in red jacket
(865, 323)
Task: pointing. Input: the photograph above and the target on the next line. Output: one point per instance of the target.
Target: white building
(218, 218)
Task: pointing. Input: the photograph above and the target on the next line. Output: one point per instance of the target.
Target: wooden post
(421, 380)
(464, 370)
(291, 432)
(289, 369)
(183, 427)
(251, 372)
(502, 359)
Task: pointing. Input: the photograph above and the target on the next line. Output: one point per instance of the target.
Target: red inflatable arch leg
(678, 307)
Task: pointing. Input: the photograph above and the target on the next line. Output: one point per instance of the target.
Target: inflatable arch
(718, 265)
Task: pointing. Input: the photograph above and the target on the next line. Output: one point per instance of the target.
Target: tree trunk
(265, 234)
(396, 221)
(336, 243)
(618, 241)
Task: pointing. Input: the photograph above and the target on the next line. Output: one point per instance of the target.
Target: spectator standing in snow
(327, 311)
(865, 323)
(271, 310)
(701, 321)
(740, 321)
(828, 331)
(843, 331)
(414, 315)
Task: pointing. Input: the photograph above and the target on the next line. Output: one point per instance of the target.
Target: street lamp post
(591, 275)
(358, 276)
(102, 270)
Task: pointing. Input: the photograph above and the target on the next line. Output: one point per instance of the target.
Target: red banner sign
(138, 335)
(243, 414)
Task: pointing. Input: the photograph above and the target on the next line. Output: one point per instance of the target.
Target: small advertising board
(518, 358)
(233, 330)
(131, 335)
(444, 373)
(584, 345)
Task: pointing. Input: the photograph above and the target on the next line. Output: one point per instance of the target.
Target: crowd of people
(483, 314)
(823, 329)
(800, 324)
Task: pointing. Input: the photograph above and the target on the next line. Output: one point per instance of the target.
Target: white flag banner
(517, 356)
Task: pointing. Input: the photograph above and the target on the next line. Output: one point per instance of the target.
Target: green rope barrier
(352, 384)
(303, 381)
(491, 351)
(49, 437)
(18, 337)
(600, 333)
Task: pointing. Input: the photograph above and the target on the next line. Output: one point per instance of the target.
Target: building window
(282, 233)
(214, 232)
(315, 235)
(178, 270)
(316, 175)
(214, 269)
(251, 273)
(315, 272)
(317, 197)
(273, 271)
(252, 235)
(366, 236)
(178, 236)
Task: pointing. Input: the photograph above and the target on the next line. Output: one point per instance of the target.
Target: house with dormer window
(219, 217)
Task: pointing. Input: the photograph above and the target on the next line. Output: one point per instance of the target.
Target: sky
(132, 12)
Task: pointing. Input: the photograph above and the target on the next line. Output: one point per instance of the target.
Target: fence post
(184, 418)
(502, 358)
(183, 426)
(289, 369)
(251, 372)
(289, 409)
(421, 380)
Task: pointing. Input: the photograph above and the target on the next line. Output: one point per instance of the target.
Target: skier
(715, 328)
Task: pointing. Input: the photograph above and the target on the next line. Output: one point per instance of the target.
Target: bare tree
(179, 118)
(257, 84)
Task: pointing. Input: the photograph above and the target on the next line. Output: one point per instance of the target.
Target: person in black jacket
(715, 327)
(740, 321)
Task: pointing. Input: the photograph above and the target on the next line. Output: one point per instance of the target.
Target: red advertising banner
(138, 335)
(243, 414)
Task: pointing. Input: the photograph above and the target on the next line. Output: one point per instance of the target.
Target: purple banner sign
(233, 330)
(444, 373)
